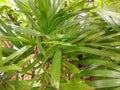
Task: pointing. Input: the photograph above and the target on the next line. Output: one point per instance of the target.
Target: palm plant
(64, 46)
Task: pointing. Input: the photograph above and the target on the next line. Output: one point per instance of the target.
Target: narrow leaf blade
(55, 69)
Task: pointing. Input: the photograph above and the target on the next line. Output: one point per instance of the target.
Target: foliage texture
(60, 45)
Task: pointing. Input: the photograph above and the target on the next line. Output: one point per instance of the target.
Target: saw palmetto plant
(60, 45)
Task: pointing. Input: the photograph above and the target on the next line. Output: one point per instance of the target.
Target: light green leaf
(75, 85)
(0, 53)
(24, 84)
(30, 66)
(117, 88)
(28, 31)
(104, 83)
(19, 52)
(71, 67)
(42, 50)
(7, 29)
(112, 55)
(18, 3)
(10, 67)
(93, 36)
(82, 36)
(55, 69)
(101, 62)
(82, 49)
(100, 73)
(34, 9)
(22, 62)
(111, 13)
(58, 42)
(9, 38)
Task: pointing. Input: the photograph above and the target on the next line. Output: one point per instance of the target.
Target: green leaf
(24, 84)
(34, 9)
(7, 29)
(117, 88)
(11, 67)
(88, 50)
(0, 53)
(55, 69)
(7, 86)
(107, 18)
(18, 3)
(58, 42)
(30, 66)
(19, 52)
(83, 35)
(9, 38)
(111, 13)
(3, 32)
(101, 62)
(100, 73)
(71, 67)
(22, 62)
(42, 49)
(28, 31)
(112, 55)
(64, 26)
(7, 51)
(75, 85)
(104, 83)
(93, 36)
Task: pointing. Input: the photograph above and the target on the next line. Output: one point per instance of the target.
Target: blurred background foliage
(59, 45)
